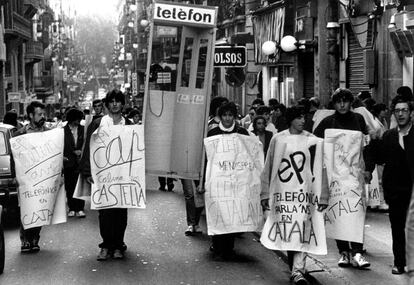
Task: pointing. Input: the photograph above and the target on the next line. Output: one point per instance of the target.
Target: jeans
(112, 226)
(30, 235)
(354, 247)
(71, 177)
(193, 212)
(297, 261)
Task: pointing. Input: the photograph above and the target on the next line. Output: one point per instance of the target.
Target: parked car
(2, 250)
(8, 184)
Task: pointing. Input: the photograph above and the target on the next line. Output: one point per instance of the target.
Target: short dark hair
(305, 103)
(281, 107)
(215, 103)
(293, 113)
(377, 108)
(273, 102)
(261, 110)
(228, 107)
(314, 101)
(32, 106)
(114, 94)
(342, 94)
(401, 99)
(258, 101)
(74, 115)
(132, 113)
(96, 101)
(363, 95)
(406, 93)
(259, 117)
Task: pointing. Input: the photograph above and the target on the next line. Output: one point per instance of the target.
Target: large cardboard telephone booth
(178, 85)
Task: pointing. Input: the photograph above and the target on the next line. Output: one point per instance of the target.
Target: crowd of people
(391, 148)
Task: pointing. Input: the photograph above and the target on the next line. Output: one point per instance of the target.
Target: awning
(268, 25)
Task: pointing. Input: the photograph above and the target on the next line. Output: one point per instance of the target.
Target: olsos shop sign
(189, 15)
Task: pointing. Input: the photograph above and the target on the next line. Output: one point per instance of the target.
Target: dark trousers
(193, 212)
(223, 244)
(398, 215)
(30, 235)
(71, 177)
(349, 246)
(112, 226)
(166, 181)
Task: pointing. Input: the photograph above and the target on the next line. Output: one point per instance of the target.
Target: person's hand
(89, 179)
(65, 159)
(77, 152)
(322, 207)
(367, 177)
(200, 189)
(265, 204)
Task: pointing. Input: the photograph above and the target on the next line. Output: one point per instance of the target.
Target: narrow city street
(158, 252)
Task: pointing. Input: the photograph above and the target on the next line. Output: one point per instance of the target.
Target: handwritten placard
(345, 215)
(294, 223)
(117, 156)
(373, 190)
(38, 159)
(232, 184)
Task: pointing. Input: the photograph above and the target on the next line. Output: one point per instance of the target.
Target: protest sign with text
(373, 190)
(345, 215)
(294, 223)
(232, 184)
(38, 159)
(117, 156)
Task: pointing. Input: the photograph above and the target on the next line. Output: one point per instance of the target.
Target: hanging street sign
(229, 56)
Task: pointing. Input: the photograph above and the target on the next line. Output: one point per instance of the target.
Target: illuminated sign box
(189, 15)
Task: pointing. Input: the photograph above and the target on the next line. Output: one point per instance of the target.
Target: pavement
(378, 246)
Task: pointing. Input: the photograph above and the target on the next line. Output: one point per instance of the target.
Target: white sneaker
(359, 261)
(71, 214)
(189, 231)
(344, 259)
(80, 214)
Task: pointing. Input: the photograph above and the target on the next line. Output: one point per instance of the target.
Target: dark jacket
(70, 147)
(398, 175)
(85, 164)
(268, 138)
(350, 121)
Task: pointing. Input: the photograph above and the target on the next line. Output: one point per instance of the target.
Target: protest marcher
(223, 244)
(397, 180)
(113, 221)
(248, 119)
(345, 119)
(407, 95)
(97, 105)
(278, 118)
(73, 142)
(314, 104)
(264, 111)
(11, 119)
(295, 117)
(214, 119)
(135, 116)
(36, 113)
(193, 212)
(259, 129)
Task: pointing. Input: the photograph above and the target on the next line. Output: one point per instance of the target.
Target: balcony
(17, 26)
(43, 86)
(34, 51)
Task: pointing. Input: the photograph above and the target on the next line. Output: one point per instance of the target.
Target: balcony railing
(43, 82)
(34, 50)
(17, 25)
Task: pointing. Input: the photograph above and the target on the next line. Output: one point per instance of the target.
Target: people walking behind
(36, 113)
(112, 221)
(259, 129)
(166, 181)
(73, 142)
(135, 116)
(97, 105)
(193, 212)
(264, 111)
(295, 117)
(278, 118)
(393, 152)
(345, 119)
(214, 119)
